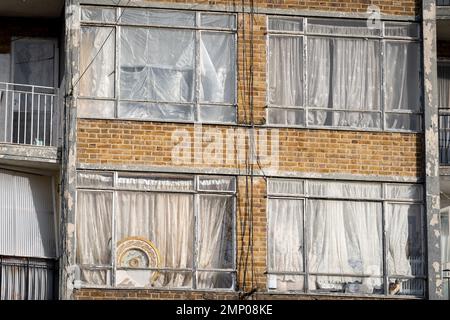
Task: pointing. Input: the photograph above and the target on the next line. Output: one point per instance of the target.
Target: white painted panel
(27, 221)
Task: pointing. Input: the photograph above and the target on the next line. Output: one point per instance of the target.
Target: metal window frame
(382, 39)
(195, 193)
(197, 29)
(383, 201)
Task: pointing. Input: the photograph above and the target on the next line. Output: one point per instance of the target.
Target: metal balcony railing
(27, 278)
(443, 2)
(444, 136)
(28, 114)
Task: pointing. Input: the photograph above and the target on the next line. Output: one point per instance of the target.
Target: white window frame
(195, 193)
(198, 29)
(383, 200)
(304, 34)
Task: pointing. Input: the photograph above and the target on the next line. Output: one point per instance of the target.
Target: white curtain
(97, 62)
(215, 243)
(166, 220)
(339, 189)
(444, 121)
(286, 71)
(402, 65)
(285, 234)
(94, 214)
(344, 74)
(345, 238)
(445, 239)
(404, 239)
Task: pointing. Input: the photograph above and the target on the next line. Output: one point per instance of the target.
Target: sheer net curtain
(285, 231)
(444, 103)
(94, 235)
(215, 243)
(344, 74)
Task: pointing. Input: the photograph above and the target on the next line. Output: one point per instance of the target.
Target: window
(157, 65)
(327, 236)
(444, 110)
(162, 231)
(341, 74)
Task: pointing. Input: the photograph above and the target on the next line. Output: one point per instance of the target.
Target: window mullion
(383, 85)
(197, 70)
(384, 242)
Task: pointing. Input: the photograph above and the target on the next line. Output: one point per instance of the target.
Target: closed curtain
(344, 74)
(94, 224)
(444, 120)
(167, 221)
(215, 243)
(285, 233)
(344, 238)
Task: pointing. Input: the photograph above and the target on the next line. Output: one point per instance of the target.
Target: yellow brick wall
(322, 151)
(391, 7)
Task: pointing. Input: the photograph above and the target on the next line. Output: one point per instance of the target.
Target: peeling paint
(437, 267)
(434, 220)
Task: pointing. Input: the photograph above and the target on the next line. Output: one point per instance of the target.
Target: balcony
(28, 115)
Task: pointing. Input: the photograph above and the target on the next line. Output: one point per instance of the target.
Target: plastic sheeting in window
(157, 64)
(94, 179)
(404, 192)
(95, 108)
(217, 67)
(158, 17)
(224, 21)
(98, 14)
(162, 111)
(217, 183)
(97, 62)
(287, 187)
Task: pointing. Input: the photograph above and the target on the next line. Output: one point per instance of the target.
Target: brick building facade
(156, 150)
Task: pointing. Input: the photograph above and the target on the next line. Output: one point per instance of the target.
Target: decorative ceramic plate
(137, 252)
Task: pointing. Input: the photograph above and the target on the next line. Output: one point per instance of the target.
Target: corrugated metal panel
(28, 219)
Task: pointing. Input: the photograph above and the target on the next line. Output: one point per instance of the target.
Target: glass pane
(345, 237)
(215, 242)
(286, 71)
(295, 117)
(285, 24)
(95, 277)
(218, 21)
(399, 121)
(148, 72)
(97, 62)
(444, 85)
(365, 120)
(341, 27)
(142, 182)
(404, 192)
(344, 74)
(153, 111)
(288, 187)
(161, 224)
(217, 64)
(169, 279)
(95, 108)
(285, 235)
(335, 189)
(398, 29)
(404, 239)
(403, 80)
(410, 287)
(99, 14)
(276, 116)
(94, 211)
(285, 282)
(218, 114)
(157, 17)
(214, 280)
(349, 285)
(217, 184)
(94, 179)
